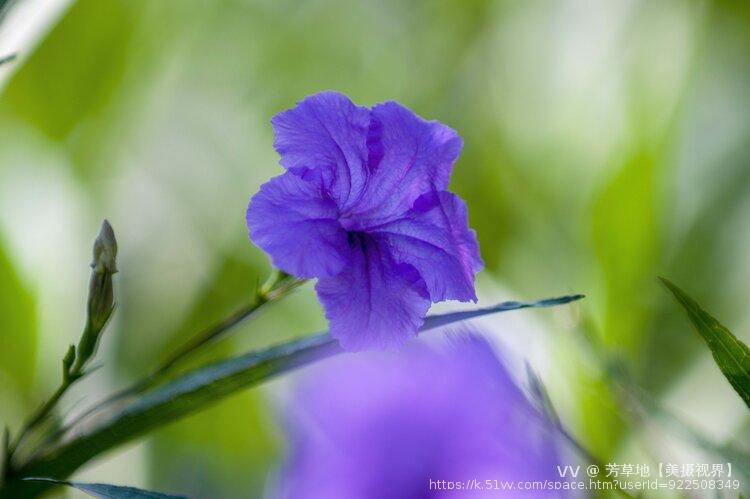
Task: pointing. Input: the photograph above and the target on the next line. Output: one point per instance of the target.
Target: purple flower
(363, 207)
(396, 425)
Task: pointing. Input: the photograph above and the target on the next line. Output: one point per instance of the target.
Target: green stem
(38, 417)
(69, 376)
(195, 390)
(278, 285)
(99, 310)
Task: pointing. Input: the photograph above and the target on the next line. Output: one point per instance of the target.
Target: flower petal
(408, 156)
(374, 425)
(434, 237)
(375, 302)
(326, 133)
(295, 222)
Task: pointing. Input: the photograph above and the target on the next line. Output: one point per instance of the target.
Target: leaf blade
(18, 340)
(202, 386)
(107, 491)
(730, 354)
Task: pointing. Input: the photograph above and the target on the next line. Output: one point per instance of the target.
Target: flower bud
(105, 250)
(101, 293)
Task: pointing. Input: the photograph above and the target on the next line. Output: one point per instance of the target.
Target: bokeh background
(606, 143)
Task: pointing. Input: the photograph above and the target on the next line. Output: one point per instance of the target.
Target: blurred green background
(606, 143)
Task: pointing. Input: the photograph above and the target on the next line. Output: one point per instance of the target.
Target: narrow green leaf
(19, 328)
(731, 355)
(203, 386)
(435, 321)
(540, 395)
(106, 491)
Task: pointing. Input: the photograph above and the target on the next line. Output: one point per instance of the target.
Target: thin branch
(276, 286)
(98, 312)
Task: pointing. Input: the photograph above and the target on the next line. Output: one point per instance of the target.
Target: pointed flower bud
(105, 250)
(101, 293)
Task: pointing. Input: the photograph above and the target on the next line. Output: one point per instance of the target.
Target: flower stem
(42, 413)
(278, 285)
(39, 416)
(99, 310)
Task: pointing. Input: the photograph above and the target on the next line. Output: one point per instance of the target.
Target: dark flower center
(357, 238)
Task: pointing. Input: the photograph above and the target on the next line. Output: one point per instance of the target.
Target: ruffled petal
(434, 237)
(407, 157)
(375, 302)
(295, 222)
(326, 134)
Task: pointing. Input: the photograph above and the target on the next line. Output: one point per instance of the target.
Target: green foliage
(220, 456)
(625, 237)
(625, 242)
(106, 491)
(100, 307)
(731, 355)
(85, 55)
(568, 182)
(18, 318)
(201, 387)
(225, 456)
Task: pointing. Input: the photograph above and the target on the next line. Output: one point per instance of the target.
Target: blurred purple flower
(363, 207)
(396, 425)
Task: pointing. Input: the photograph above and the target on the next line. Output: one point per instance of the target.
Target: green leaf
(203, 386)
(106, 491)
(18, 319)
(50, 90)
(625, 237)
(731, 355)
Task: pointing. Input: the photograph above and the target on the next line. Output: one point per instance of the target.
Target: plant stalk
(278, 285)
